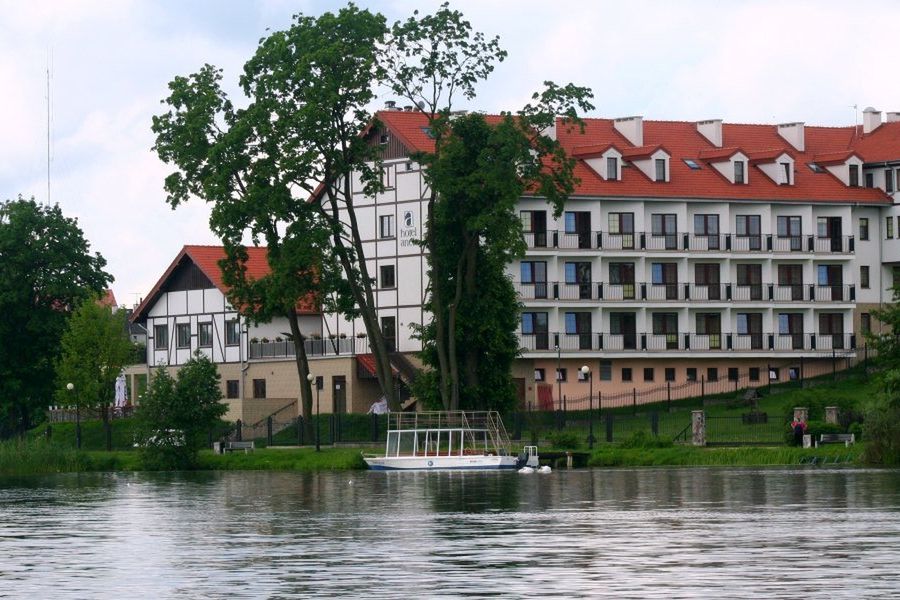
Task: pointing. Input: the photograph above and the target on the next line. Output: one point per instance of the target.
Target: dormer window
(739, 171)
(612, 168)
(889, 181)
(692, 164)
(660, 169)
(870, 180)
(854, 175)
(786, 167)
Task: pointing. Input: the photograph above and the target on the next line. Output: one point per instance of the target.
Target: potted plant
(361, 335)
(254, 340)
(279, 339)
(265, 340)
(343, 336)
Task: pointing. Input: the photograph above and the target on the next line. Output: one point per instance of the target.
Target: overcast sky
(750, 61)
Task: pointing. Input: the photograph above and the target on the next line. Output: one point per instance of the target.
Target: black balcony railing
(336, 346)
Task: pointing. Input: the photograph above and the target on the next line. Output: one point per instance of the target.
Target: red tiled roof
(682, 141)
(108, 299)
(367, 362)
(592, 150)
(640, 151)
(768, 156)
(830, 158)
(207, 260)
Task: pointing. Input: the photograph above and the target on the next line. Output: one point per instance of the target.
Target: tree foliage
(46, 269)
(308, 87)
(95, 348)
(176, 414)
(882, 415)
(476, 173)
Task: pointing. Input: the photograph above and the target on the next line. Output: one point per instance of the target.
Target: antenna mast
(48, 126)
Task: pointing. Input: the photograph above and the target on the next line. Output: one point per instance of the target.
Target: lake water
(642, 533)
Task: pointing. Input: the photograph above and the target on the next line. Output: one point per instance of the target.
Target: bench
(223, 447)
(837, 438)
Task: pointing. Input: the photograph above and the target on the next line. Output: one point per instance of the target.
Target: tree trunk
(471, 353)
(306, 396)
(361, 290)
(437, 306)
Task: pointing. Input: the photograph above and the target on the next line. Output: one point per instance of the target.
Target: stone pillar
(801, 413)
(831, 414)
(698, 427)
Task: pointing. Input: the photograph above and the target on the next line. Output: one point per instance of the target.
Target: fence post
(669, 396)
(239, 431)
(866, 358)
(634, 400)
(269, 430)
(654, 423)
(702, 390)
(338, 429)
(769, 378)
(698, 428)
(332, 427)
(599, 404)
(609, 426)
(299, 430)
(565, 404)
(833, 365)
(374, 427)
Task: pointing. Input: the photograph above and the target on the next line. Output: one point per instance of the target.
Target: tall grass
(687, 456)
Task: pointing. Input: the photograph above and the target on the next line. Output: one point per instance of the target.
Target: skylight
(815, 168)
(692, 164)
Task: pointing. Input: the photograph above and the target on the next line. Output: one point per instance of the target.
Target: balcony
(314, 348)
(599, 291)
(689, 242)
(686, 342)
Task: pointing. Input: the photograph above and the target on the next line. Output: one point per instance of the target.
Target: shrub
(642, 439)
(565, 440)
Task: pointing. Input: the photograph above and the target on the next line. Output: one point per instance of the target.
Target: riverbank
(35, 457)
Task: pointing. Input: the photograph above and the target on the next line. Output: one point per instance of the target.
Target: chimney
(793, 134)
(390, 105)
(632, 128)
(871, 120)
(893, 116)
(408, 108)
(711, 130)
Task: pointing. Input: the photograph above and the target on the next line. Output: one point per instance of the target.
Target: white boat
(475, 440)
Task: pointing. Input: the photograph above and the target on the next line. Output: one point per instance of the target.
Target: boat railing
(467, 421)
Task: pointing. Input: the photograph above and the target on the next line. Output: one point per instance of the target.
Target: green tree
(476, 173)
(177, 414)
(95, 348)
(46, 269)
(881, 429)
(308, 89)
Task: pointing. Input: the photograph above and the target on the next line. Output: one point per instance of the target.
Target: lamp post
(310, 378)
(586, 371)
(71, 387)
(558, 378)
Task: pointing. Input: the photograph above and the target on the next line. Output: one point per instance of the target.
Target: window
(232, 332)
(539, 374)
(748, 226)
(670, 374)
(815, 168)
(863, 228)
(739, 171)
(534, 224)
(259, 388)
(161, 336)
(535, 330)
(534, 273)
(386, 226)
(622, 274)
(786, 171)
(865, 323)
(648, 374)
(712, 374)
(626, 374)
(605, 370)
(660, 169)
(895, 274)
(387, 276)
(408, 166)
(854, 175)
(889, 228)
(622, 225)
(666, 326)
(864, 277)
(612, 168)
(183, 333)
(577, 226)
(205, 333)
(790, 227)
(692, 164)
(232, 388)
(870, 180)
(754, 373)
(389, 331)
(732, 374)
(691, 374)
(774, 374)
(708, 225)
(578, 281)
(561, 374)
(889, 181)
(386, 176)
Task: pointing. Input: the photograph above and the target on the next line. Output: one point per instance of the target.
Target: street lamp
(71, 387)
(586, 371)
(558, 378)
(310, 378)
